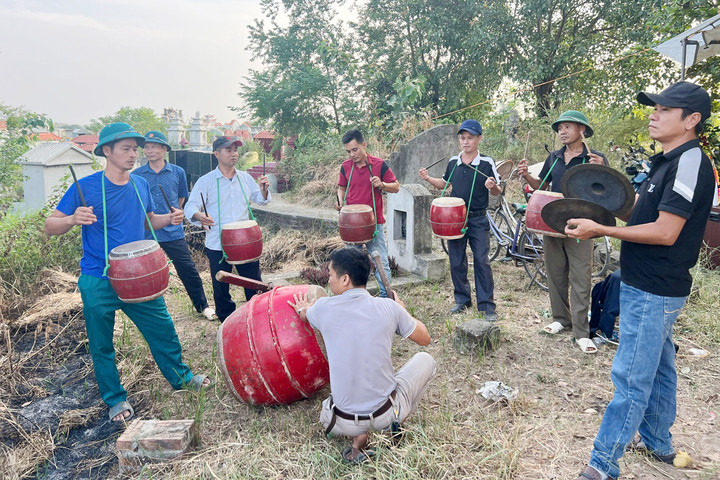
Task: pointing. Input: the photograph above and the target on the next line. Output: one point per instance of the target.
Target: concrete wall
(40, 181)
(423, 150)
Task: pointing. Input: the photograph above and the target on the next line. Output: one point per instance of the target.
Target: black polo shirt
(558, 170)
(462, 180)
(680, 182)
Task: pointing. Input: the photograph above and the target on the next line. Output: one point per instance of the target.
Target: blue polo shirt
(173, 180)
(125, 217)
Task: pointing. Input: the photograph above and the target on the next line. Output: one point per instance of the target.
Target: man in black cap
(472, 175)
(227, 193)
(660, 244)
(168, 181)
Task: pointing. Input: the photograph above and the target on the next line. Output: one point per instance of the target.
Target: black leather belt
(349, 416)
(476, 213)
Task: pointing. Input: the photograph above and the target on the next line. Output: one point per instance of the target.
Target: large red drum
(268, 355)
(447, 217)
(356, 223)
(241, 241)
(534, 220)
(139, 271)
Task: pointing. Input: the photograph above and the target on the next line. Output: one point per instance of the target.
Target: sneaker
(209, 313)
(459, 307)
(591, 474)
(491, 317)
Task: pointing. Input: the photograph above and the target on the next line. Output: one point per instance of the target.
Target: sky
(76, 60)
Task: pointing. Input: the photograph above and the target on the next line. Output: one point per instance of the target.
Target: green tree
(14, 142)
(441, 43)
(141, 119)
(547, 40)
(307, 82)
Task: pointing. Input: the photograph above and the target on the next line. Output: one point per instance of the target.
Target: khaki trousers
(568, 264)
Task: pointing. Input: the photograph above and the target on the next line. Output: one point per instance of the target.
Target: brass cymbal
(557, 213)
(599, 184)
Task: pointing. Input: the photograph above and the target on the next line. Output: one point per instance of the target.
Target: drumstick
(527, 144)
(263, 164)
(167, 200)
(77, 185)
(435, 163)
(584, 141)
(204, 208)
(383, 276)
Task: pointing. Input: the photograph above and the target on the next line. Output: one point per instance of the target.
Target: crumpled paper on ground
(498, 391)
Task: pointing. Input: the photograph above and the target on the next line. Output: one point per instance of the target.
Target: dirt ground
(54, 426)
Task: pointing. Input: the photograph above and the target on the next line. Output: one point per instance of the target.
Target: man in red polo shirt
(362, 178)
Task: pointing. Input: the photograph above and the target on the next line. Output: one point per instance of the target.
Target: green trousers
(152, 319)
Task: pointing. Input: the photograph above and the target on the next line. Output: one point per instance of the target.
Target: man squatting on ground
(568, 262)
(160, 173)
(227, 192)
(358, 330)
(471, 173)
(660, 244)
(362, 178)
(119, 203)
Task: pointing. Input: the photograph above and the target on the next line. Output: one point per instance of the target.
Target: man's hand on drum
(582, 228)
(84, 216)
(597, 159)
(301, 304)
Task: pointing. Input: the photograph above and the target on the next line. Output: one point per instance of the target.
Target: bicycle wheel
(530, 250)
(601, 256)
(502, 224)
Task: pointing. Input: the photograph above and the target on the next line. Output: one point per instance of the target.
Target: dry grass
(294, 249)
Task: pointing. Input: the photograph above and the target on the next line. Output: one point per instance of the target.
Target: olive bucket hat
(117, 131)
(153, 136)
(575, 117)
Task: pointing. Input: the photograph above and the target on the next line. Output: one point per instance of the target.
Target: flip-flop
(361, 457)
(586, 345)
(553, 328)
(196, 383)
(119, 408)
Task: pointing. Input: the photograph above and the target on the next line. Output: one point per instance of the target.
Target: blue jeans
(645, 380)
(478, 234)
(378, 244)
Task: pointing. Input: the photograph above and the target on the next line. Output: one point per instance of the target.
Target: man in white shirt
(227, 193)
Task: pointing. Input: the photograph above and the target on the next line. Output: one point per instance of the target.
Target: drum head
(357, 208)
(504, 169)
(240, 225)
(557, 213)
(448, 202)
(134, 249)
(599, 184)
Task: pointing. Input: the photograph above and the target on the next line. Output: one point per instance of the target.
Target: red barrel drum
(268, 354)
(139, 271)
(357, 223)
(447, 217)
(241, 241)
(534, 220)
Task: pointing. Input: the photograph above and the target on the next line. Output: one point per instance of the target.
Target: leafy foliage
(142, 119)
(14, 142)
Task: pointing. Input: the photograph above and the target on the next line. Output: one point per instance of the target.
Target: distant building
(86, 142)
(44, 168)
(45, 137)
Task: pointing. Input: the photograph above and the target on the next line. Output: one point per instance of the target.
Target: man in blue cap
(163, 176)
(462, 173)
(660, 244)
(568, 262)
(116, 212)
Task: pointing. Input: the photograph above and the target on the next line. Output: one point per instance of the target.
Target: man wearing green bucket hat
(568, 262)
(112, 207)
(169, 181)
